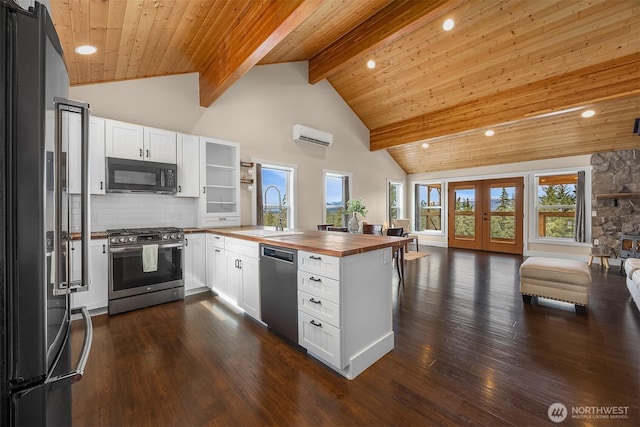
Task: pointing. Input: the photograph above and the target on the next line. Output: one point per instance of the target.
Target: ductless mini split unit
(313, 136)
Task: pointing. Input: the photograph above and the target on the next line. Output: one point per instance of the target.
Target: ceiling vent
(309, 135)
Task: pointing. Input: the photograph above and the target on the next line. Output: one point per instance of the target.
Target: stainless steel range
(145, 267)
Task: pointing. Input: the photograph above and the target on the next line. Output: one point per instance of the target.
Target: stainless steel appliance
(137, 176)
(279, 290)
(35, 310)
(130, 286)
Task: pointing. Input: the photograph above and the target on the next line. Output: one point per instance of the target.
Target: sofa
(632, 268)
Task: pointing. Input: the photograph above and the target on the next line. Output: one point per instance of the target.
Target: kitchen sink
(266, 233)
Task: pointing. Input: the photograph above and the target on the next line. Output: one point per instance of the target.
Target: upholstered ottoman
(558, 279)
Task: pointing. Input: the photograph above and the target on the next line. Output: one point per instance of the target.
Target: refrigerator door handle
(59, 262)
(64, 285)
(77, 374)
(85, 229)
(72, 376)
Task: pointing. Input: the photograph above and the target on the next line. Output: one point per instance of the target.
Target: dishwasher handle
(279, 254)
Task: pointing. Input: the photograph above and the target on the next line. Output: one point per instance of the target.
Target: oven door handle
(137, 248)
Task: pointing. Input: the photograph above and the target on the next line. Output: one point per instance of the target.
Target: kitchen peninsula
(344, 300)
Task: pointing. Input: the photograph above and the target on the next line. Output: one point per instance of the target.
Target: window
(274, 195)
(337, 187)
(556, 205)
(428, 207)
(395, 201)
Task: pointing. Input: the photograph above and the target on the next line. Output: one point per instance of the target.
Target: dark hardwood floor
(467, 352)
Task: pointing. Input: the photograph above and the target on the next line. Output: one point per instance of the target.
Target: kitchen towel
(149, 258)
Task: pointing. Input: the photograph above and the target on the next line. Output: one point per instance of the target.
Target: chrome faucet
(279, 226)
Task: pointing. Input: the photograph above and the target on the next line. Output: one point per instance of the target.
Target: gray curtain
(259, 201)
(345, 192)
(580, 233)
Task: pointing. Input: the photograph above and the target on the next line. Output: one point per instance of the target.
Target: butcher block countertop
(331, 243)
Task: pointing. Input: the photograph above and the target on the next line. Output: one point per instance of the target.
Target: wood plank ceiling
(525, 68)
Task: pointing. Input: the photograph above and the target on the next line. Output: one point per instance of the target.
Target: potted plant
(355, 206)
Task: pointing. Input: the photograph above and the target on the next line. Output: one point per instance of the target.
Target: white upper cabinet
(124, 140)
(159, 145)
(135, 142)
(72, 126)
(219, 183)
(188, 161)
(96, 156)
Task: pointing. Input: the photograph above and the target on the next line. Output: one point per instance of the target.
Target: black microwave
(137, 176)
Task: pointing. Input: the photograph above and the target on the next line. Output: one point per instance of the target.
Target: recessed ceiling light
(371, 64)
(448, 24)
(489, 133)
(425, 145)
(86, 49)
(588, 113)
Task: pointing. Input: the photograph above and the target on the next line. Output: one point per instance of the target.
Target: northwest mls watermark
(557, 412)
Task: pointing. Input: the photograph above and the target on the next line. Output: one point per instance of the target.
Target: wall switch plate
(596, 242)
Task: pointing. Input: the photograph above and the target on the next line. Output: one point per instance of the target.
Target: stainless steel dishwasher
(279, 290)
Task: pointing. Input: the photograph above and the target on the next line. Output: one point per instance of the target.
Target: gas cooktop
(129, 236)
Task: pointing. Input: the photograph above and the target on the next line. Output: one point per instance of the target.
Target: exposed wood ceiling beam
(261, 29)
(552, 136)
(390, 24)
(613, 79)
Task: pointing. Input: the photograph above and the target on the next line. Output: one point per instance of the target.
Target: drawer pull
(315, 302)
(319, 325)
(313, 279)
(317, 258)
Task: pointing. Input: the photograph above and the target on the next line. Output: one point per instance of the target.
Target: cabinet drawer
(319, 286)
(319, 308)
(242, 247)
(324, 265)
(226, 221)
(320, 338)
(215, 240)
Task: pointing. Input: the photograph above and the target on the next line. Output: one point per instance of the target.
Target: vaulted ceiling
(525, 69)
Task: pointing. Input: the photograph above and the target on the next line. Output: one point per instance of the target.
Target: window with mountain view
(275, 189)
(556, 205)
(428, 208)
(336, 194)
(395, 201)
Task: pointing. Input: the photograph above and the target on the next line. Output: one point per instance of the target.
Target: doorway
(487, 215)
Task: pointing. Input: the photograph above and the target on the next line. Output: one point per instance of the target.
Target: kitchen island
(344, 292)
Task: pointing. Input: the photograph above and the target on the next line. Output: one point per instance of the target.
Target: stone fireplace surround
(615, 172)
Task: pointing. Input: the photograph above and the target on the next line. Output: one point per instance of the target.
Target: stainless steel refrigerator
(36, 368)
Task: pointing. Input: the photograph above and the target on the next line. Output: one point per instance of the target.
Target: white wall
(259, 112)
(526, 170)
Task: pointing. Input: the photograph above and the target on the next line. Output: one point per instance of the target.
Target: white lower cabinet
(320, 338)
(344, 308)
(98, 294)
(195, 271)
(216, 267)
(319, 306)
(250, 286)
(243, 274)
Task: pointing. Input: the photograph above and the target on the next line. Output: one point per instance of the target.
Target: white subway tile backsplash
(127, 210)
